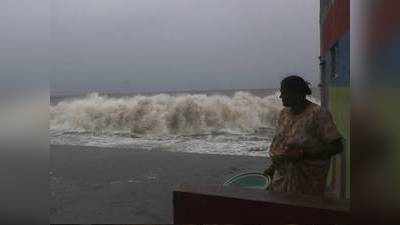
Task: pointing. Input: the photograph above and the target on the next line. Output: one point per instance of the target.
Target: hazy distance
(158, 45)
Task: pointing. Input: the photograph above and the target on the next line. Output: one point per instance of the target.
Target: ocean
(232, 122)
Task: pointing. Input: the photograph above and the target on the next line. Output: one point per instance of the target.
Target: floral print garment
(312, 128)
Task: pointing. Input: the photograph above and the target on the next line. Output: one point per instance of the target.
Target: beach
(130, 185)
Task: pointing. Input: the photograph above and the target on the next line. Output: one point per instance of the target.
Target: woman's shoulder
(318, 111)
(315, 108)
(284, 112)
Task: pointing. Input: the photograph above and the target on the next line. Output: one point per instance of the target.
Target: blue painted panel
(342, 64)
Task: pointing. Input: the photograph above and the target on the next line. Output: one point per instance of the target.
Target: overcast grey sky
(159, 45)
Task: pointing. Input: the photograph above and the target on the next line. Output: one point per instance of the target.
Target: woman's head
(294, 90)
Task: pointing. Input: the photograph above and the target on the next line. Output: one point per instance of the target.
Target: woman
(305, 141)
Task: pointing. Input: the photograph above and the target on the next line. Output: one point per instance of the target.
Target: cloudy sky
(158, 45)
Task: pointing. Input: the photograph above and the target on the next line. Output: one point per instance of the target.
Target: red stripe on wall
(336, 24)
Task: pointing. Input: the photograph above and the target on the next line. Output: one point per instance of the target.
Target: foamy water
(240, 125)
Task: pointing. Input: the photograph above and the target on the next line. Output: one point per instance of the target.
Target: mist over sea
(229, 122)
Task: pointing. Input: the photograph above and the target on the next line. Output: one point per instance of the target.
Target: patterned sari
(314, 128)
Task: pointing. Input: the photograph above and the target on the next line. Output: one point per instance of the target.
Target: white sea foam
(241, 125)
(166, 114)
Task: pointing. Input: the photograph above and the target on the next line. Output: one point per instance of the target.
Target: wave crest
(166, 114)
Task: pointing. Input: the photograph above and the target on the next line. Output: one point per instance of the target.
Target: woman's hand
(269, 172)
(326, 150)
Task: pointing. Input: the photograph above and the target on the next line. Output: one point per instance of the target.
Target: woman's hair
(297, 84)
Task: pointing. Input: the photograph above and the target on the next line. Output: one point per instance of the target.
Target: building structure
(335, 84)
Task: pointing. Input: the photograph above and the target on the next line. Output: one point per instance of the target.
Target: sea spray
(165, 114)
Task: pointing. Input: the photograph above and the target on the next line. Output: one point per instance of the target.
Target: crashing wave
(166, 114)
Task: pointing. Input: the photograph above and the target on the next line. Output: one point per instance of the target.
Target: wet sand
(103, 185)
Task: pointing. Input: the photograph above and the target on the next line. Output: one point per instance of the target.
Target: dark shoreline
(105, 185)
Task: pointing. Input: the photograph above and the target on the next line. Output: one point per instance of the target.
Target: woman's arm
(327, 150)
(269, 172)
(276, 161)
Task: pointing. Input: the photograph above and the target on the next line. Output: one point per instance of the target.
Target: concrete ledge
(229, 205)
